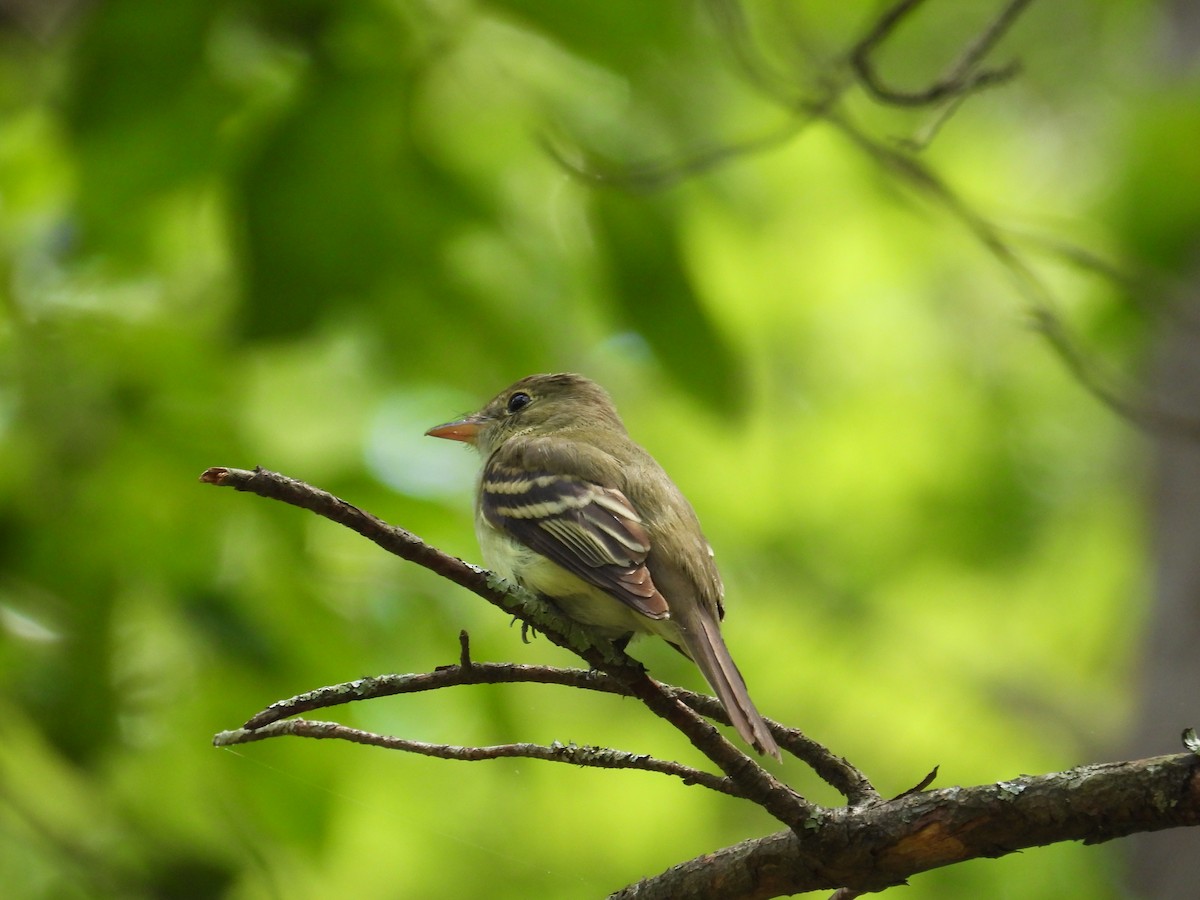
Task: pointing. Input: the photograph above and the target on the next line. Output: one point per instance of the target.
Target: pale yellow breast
(577, 599)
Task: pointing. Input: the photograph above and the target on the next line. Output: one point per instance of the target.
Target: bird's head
(535, 405)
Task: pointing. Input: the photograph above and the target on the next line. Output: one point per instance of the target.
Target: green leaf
(653, 290)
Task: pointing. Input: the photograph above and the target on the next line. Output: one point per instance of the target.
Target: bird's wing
(591, 531)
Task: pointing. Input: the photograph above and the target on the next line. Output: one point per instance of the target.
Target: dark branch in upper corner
(962, 77)
(959, 82)
(752, 781)
(803, 106)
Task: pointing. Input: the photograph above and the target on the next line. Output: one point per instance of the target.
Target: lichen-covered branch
(886, 843)
(590, 757)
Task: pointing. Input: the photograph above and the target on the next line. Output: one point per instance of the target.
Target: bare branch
(729, 20)
(955, 86)
(443, 677)
(1027, 283)
(865, 846)
(755, 782)
(958, 81)
(650, 175)
(884, 844)
(588, 757)
(464, 649)
(835, 770)
(920, 785)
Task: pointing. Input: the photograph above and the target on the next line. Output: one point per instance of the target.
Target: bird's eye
(518, 401)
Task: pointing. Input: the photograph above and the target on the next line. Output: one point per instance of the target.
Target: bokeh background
(296, 234)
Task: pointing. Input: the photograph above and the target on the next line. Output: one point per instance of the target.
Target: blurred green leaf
(654, 292)
(145, 116)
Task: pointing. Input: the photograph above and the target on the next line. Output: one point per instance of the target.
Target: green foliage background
(296, 234)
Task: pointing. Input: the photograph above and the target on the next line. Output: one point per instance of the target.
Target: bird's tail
(702, 641)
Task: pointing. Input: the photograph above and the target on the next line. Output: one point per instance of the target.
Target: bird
(570, 507)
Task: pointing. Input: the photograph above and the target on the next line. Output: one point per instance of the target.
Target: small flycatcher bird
(569, 506)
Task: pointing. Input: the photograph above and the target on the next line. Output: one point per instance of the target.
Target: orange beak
(464, 430)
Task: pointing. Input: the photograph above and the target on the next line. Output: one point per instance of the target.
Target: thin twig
(439, 679)
(650, 175)
(920, 785)
(956, 84)
(464, 650)
(1151, 294)
(1027, 283)
(590, 757)
(957, 81)
(835, 770)
(729, 21)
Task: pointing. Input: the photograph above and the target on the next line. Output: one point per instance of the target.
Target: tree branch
(957, 84)
(753, 781)
(883, 845)
(865, 846)
(835, 770)
(958, 81)
(592, 757)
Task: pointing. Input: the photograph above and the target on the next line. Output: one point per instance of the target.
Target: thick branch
(884, 844)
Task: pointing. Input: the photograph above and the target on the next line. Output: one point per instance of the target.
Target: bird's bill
(465, 430)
